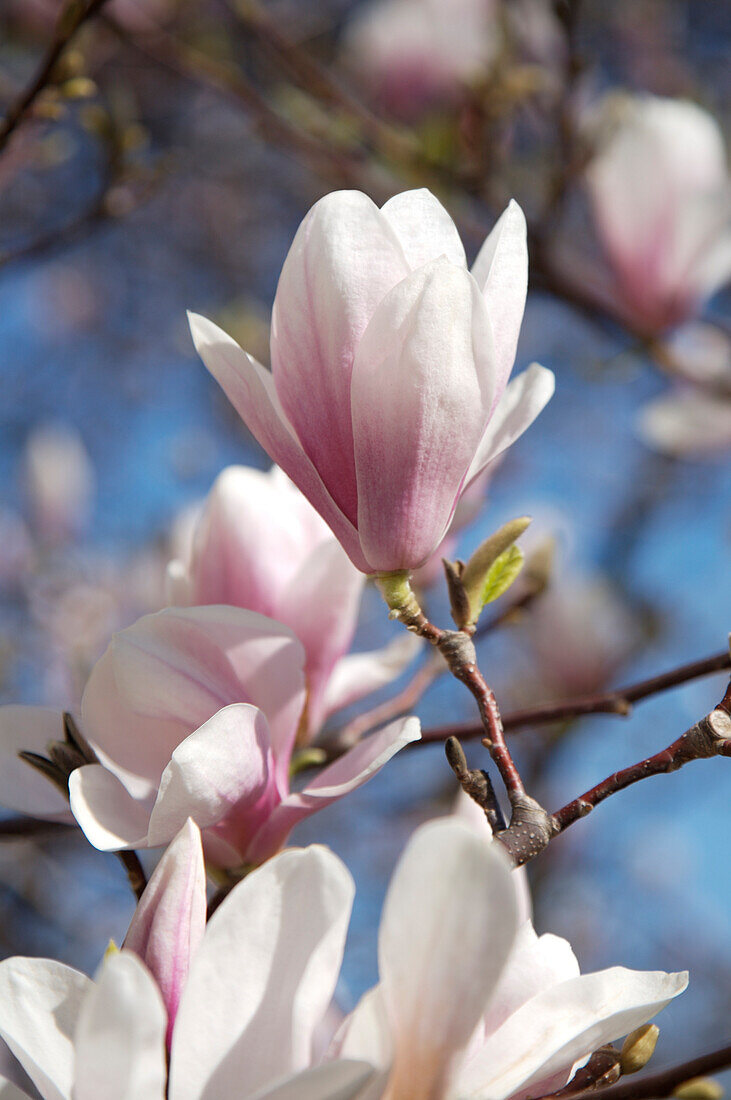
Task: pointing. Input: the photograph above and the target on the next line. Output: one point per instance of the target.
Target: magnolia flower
(254, 990)
(662, 200)
(194, 713)
(687, 423)
(260, 545)
(390, 361)
(471, 1003)
(415, 54)
(59, 480)
(581, 632)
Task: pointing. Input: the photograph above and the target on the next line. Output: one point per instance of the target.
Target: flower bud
(639, 1047)
(699, 1088)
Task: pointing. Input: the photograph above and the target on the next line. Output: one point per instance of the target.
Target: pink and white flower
(194, 712)
(662, 205)
(416, 54)
(255, 990)
(260, 545)
(390, 364)
(471, 1003)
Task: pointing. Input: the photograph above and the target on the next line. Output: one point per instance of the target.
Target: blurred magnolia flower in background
(249, 993)
(687, 423)
(260, 545)
(692, 420)
(412, 55)
(661, 195)
(389, 388)
(581, 632)
(59, 480)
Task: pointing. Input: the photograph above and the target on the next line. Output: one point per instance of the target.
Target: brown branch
(662, 1084)
(709, 737)
(233, 85)
(135, 872)
(619, 701)
(18, 828)
(72, 16)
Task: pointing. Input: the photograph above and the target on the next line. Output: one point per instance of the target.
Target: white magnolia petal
(22, 788)
(10, 1091)
(452, 890)
(223, 766)
(424, 229)
(321, 604)
(524, 398)
(263, 977)
(40, 1001)
(168, 924)
(12, 1073)
(563, 1025)
(501, 271)
(110, 818)
(422, 391)
(359, 674)
(366, 1032)
(120, 1036)
(344, 258)
(346, 774)
(536, 963)
(333, 1081)
(251, 390)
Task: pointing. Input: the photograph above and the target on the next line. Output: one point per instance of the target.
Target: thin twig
(135, 872)
(317, 81)
(17, 828)
(709, 737)
(72, 16)
(192, 64)
(619, 701)
(659, 1085)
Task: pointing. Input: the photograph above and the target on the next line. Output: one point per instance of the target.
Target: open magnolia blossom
(471, 1003)
(193, 712)
(662, 204)
(389, 390)
(417, 54)
(259, 544)
(249, 994)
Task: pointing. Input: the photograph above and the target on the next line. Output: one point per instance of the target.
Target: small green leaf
(502, 573)
(475, 574)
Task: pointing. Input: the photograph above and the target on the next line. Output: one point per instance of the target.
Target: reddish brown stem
(709, 737)
(618, 701)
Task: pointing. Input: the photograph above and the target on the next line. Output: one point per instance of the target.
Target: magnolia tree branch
(659, 1085)
(135, 872)
(71, 18)
(709, 737)
(530, 827)
(533, 829)
(618, 701)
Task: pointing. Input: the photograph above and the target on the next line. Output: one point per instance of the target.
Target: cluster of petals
(470, 1003)
(388, 393)
(260, 545)
(661, 194)
(237, 1003)
(192, 712)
